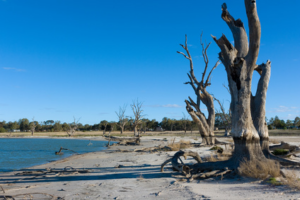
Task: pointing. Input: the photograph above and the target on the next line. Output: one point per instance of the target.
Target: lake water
(18, 153)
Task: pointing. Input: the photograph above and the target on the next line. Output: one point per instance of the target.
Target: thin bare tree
(73, 127)
(122, 118)
(226, 118)
(205, 125)
(137, 110)
(185, 120)
(32, 126)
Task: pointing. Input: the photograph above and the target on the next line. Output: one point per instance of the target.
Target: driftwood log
(61, 153)
(125, 140)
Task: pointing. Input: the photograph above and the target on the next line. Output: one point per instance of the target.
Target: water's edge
(12, 157)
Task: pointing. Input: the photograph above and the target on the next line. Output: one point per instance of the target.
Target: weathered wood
(124, 140)
(205, 125)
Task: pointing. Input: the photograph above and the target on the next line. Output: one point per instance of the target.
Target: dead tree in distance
(122, 119)
(73, 127)
(137, 110)
(185, 120)
(226, 118)
(205, 125)
(104, 123)
(32, 126)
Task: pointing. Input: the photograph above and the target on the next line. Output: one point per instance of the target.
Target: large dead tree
(249, 128)
(205, 125)
(137, 110)
(122, 119)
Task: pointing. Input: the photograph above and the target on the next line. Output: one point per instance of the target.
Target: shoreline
(46, 158)
(114, 174)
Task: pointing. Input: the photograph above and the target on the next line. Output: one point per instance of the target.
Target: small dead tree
(32, 126)
(205, 125)
(136, 107)
(185, 122)
(104, 123)
(226, 118)
(73, 127)
(122, 119)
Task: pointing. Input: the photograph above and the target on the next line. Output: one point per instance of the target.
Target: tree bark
(240, 62)
(205, 125)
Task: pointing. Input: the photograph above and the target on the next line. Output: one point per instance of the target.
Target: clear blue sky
(60, 59)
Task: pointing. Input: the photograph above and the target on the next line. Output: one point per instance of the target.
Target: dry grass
(259, 169)
(274, 141)
(291, 179)
(182, 144)
(215, 157)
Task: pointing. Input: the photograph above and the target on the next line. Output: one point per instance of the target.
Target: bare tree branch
(190, 59)
(122, 119)
(238, 31)
(254, 33)
(207, 82)
(136, 107)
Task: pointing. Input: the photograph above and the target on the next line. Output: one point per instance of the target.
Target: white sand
(138, 177)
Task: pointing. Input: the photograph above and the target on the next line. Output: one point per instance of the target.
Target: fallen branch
(125, 141)
(61, 153)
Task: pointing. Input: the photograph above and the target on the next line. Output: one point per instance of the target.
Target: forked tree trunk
(248, 113)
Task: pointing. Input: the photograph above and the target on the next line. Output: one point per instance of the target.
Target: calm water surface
(18, 153)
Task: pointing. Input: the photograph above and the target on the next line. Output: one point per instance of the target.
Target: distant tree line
(167, 124)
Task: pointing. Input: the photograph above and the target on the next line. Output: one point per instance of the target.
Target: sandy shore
(134, 175)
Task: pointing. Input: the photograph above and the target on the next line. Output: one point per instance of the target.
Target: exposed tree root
(284, 145)
(178, 166)
(283, 161)
(200, 170)
(266, 150)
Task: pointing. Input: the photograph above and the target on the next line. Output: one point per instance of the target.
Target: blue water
(18, 153)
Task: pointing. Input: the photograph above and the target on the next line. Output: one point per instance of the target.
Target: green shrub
(280, 152)
(270, 127)
(2, 130)
(216, 148)
(273, 181)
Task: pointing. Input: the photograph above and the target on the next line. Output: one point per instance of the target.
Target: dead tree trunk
(72, 127)
(122, 119)
(136, 107)
(32, 126)
(249, 130)
(240, 62)
(205, 125)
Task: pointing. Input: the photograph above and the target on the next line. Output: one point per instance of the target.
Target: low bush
(280, 152)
